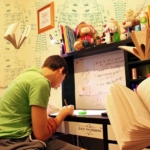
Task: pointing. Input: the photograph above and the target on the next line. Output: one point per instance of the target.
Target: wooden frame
(45, 17)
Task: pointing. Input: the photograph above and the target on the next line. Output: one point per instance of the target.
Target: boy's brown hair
(55, 62)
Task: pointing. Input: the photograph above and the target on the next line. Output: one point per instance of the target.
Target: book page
(10, 33)
(136, 145)
(143, 91)
(141, 37)
(114, 119)
(11, 40)
(131, 50)
(138, 45)
(140, 110)
(128, 109)
(17, 35)
(125, 122)
(24, 35)
(147, 50)
(11, 29)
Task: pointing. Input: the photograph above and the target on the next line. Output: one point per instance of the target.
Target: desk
(76, 124)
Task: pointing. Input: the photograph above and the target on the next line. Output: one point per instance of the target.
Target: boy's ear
(61, 69)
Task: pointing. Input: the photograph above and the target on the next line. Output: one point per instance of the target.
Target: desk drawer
(84, 129)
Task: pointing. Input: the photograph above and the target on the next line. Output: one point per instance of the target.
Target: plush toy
(108, 31)
(130, 21)
(86, 36)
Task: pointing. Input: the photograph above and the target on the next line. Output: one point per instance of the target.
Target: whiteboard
(93, 77)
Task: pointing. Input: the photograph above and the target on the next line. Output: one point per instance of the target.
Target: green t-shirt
(29, 88)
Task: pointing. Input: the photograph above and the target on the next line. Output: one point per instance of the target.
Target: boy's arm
(43, 127)
(39, 123)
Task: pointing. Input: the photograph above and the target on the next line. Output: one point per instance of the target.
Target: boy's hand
(63, 113)
(67, 110)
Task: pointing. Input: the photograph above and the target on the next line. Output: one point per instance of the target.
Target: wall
(37, 47)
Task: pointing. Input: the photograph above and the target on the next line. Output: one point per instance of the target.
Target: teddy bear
(86, 35)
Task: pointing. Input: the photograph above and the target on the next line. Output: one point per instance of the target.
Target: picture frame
(45, 17)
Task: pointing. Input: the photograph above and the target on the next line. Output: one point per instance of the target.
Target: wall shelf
(139, 62)
(137, 80)
(102, 48)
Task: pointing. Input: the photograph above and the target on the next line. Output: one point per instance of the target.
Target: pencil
(65, 102)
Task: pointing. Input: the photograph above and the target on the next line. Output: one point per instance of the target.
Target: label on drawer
(84, 129)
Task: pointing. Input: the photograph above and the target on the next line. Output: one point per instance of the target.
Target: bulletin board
(93, 77)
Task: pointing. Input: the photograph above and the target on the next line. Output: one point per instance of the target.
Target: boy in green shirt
(23, 109)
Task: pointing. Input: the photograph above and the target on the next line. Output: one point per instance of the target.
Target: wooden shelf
(137, 80)
(98, 49)
(139, 62)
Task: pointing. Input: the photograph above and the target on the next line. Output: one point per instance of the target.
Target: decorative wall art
(45, 16)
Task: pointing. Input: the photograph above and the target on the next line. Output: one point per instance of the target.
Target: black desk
(97, 119)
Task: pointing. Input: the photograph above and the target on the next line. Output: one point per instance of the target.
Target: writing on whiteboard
(97, 72)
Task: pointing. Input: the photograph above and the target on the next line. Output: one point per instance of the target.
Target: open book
(15, 36)
(129, 115)
(142, 45)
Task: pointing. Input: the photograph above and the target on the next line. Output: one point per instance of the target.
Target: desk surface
(77, 112)
(92, 117)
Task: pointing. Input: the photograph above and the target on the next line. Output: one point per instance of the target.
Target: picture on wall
(45, 17)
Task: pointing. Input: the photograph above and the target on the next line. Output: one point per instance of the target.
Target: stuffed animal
(130, 21)
(108, 31)
(86, 35)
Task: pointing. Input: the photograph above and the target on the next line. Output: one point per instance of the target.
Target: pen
(65, 103)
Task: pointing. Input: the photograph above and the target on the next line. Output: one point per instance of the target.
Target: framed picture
(45, 17)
